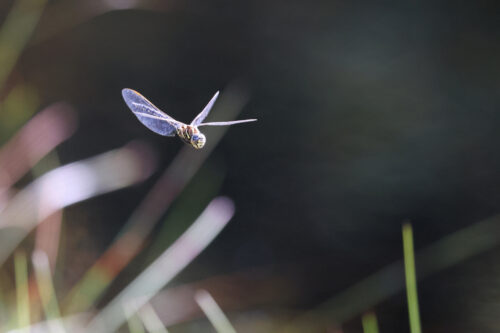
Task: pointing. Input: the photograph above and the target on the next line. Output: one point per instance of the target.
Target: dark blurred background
(369, 114)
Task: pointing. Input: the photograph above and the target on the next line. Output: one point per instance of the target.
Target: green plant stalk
(411, 279)
(22, 292)
(369, 322)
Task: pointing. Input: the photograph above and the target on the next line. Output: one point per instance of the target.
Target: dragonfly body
(191, 135)
(161, 123)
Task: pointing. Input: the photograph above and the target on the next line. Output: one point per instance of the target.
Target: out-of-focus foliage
(369, 114)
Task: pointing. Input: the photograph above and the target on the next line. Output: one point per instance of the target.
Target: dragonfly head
(198, 140)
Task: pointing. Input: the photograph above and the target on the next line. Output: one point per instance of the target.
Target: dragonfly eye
(198, 140)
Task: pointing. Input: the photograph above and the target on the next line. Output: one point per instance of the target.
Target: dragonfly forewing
(149, 115)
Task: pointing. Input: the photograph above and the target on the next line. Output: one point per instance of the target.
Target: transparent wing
(226, 123)
(204, 113)
(148, 114)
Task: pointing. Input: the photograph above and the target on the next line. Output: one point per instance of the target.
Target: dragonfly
(161, 123)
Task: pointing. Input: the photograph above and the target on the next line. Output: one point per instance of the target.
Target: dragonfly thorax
(191, 135)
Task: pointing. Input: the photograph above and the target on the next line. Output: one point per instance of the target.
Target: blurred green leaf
(369, 321)
(22, 292)
(19, 105)
(16, 32)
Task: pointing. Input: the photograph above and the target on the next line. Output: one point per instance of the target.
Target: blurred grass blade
(388, 281)
(22, 291)
(37, 138)
(411, 279)
(352, 301)
(188, 206)
(16, 32)
(243, 290)
(68, 185)
(129, 242)
(369, 321)
(213, 312)
(167, 266)
(46, 290)
(151, 320)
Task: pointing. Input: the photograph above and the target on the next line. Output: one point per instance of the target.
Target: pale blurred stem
(174, 259)
(45, 285)
(47, 237)
(16, 32)
(150, 319)
(22, 293)
(68, 185)
(411, 278)
(37, 138)
(213, 312)
(135, 325)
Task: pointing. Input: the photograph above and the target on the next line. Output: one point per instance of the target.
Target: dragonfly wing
(160, 125)
(204, 113)
(149, 115)
(227, 123)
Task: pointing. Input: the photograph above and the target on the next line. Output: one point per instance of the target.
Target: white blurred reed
(193, 241)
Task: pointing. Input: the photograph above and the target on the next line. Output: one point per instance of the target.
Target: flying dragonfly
(161, 123)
